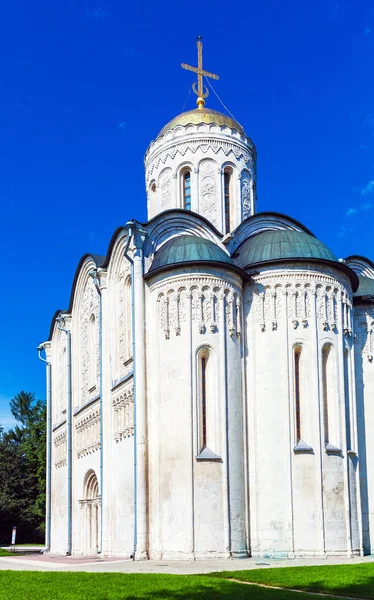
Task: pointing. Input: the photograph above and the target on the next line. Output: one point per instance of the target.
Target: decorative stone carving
(208, 190)
(226, 148)
(245, 186)
(61, 376)
(165, 186)
(122, 325)
(60, 448)
(123, 407)
(173, 304)
(346, 315)
(88, 308)
(364, 326)
(164, 315)
(87, 429)
(173, 307)
(300, 290)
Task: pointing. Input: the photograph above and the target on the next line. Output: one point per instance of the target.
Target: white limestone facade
(211, 377)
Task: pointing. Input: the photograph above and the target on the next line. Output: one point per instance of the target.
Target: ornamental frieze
(60, 449)
(87, 430)
(275, 297)
(203, 146)
(208, 307)
(123, 408)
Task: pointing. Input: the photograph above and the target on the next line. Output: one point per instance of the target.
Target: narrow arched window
(227, 199)
(92, 341)
(326, 387)
(347, 399)
(207, 411)
(297, 361)
(203, 401)
(187, 190)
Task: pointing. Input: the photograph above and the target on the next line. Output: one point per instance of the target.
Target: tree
(22, 470)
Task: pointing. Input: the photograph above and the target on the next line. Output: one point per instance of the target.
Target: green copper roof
(202, 115)
(281, 244)
(366, 286)
(188, 248)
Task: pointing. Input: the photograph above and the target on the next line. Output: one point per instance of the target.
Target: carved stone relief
(208, 190)
(123, 407)
(245, 185)
(165, 187)
(206, 300)
(123, 319)
(88, 432)
(364, 326)
(88, 308)
(301, 292)
(60, 448)
(239, 151)
(61, 377)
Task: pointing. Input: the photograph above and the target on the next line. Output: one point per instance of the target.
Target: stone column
(315, 298)
(107, 415)
(225, 454)
(141, 401)
(193, 418)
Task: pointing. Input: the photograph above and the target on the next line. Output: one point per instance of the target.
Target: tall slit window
(226, 191)
(326, 361)
(297, 359)
(206, 410)
(203, 401)
(347, 399)
(187, 190)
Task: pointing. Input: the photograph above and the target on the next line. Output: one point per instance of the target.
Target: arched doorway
(90, 508)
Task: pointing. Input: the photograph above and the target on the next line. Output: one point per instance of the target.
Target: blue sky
(86, 85)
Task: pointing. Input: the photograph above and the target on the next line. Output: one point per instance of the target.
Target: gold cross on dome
(200, 92)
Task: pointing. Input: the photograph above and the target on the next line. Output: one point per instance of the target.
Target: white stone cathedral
(210, 386)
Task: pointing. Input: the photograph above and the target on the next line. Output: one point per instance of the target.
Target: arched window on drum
(186, 189)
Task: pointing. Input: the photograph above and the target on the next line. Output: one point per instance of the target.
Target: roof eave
(194, 263)
(322, 261)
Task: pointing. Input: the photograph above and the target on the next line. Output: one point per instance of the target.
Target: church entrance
(90, 515)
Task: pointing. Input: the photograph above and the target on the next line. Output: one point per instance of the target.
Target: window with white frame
(186, 189)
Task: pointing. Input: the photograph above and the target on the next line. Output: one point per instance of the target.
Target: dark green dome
(281, 244)
(188, 249)
(366, 286)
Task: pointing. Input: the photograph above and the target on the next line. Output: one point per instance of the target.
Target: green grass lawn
(32, 585)
(4, 552)
(344, 580)
(30, 545)
(351, 580)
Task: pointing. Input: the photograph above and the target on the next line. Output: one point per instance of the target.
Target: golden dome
(202, 115)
